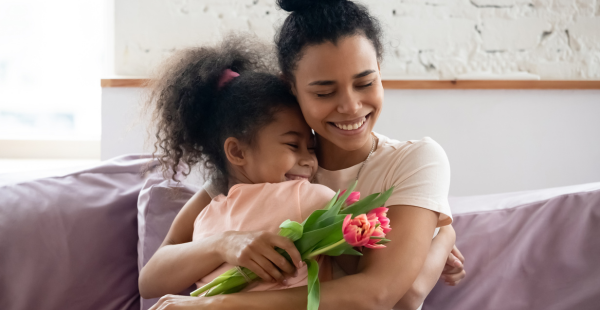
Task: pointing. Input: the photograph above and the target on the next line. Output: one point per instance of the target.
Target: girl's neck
(332, 157)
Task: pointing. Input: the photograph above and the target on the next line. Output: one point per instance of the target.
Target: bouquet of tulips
(344, 223)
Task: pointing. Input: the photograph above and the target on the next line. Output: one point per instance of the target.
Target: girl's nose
(307, 159)
(349, 102)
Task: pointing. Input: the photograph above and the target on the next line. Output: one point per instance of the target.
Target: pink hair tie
(226, 77)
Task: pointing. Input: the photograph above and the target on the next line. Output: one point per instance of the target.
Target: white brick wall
(425, 39)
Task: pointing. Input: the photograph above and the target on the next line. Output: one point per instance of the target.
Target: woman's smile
(351, 127)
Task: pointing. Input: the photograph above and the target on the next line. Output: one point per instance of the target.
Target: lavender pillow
(537, 255)
(69, 242)
(159, 202)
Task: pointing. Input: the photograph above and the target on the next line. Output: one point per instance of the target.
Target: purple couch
(76, 240)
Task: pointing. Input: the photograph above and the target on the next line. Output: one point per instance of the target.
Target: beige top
(418, 169)
(262, 207)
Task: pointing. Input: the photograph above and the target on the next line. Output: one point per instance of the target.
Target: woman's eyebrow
(328, 82)
(364, 73)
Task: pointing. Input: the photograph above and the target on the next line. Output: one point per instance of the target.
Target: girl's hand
(454, 270)
(255, 251)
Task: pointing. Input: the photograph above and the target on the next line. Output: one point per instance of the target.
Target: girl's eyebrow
(292, 133)
(329, 82)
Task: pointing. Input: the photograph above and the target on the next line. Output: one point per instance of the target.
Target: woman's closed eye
(324, 95)
(293, 145)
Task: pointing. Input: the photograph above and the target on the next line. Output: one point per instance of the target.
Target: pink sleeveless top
(262, 207)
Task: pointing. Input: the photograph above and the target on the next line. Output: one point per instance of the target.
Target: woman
(329, 51)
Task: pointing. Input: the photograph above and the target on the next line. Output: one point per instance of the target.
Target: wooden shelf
(429, 84)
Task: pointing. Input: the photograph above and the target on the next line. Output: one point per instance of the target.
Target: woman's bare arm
(174, 267)
(440, 248)
(384, 275)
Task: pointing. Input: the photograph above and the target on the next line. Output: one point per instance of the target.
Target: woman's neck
(332, 157)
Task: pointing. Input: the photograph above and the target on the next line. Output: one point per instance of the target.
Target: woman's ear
(235, 151)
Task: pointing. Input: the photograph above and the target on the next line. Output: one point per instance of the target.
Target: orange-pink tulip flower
(357, 231)
(352, 198)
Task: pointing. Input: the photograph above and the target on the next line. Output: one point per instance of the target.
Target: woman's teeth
(351, 126)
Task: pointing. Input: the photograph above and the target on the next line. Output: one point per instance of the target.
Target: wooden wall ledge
(429, 84)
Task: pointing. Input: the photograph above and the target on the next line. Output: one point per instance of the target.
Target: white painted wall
(445, 39)
(496, 140)
(503, 140)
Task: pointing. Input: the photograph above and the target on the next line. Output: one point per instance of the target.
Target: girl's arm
(179, 263)
(384, 275)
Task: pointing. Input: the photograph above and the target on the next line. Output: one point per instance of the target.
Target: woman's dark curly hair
(193, 117)
(313, 22)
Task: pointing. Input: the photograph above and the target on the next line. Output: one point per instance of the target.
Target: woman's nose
(349, 102)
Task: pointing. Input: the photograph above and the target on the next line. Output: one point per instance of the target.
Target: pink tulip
(352, 198)
(378, 218)
(379, 215)
(357, 231)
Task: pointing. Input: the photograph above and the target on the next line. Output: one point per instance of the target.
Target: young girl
(214, 106)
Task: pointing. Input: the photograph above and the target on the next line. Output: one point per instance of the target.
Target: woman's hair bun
(302, 5)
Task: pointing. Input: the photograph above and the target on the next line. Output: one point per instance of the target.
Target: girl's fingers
(458, 254)
(259, 271)
(279, 261)
(453, 261)
(290, 248)
(451, 270)
(454, 277)
(268, 267)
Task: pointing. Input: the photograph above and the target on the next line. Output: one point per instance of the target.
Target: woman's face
(339, 90)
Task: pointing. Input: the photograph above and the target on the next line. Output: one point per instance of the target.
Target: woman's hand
(255, 251)
(178, 302)
(454, 270)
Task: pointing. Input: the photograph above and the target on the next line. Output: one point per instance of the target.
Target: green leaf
(332, 201)
(352, 251)
(357, 209)
(291, 230)
(314, 287)
(359, 204)
(311, 238)
(328, 221)
(312, 219)
(335, 236)
(335, 210)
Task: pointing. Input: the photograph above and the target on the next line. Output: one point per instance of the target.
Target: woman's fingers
(287, 245)
(164, 301)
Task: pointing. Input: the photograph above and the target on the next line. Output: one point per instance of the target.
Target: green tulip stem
(325, 249)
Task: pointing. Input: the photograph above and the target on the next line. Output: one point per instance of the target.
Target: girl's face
(282, 151)
(339, 90)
